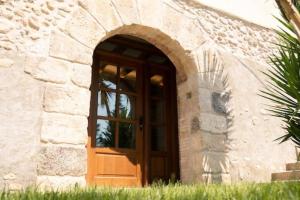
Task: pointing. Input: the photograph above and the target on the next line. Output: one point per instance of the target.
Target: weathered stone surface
(103, 11)
(5, 62)
(213, 123)
(67, 99)
(60, 182)
(212, 142)
(219, 102)
(84, 28)
(5, 25)
(56, 160)
(216, 178)
(82, 75)
(148, 9)
(215, 162)
(62, 46)
(20, 110)
(62, 128)
(52, 70)
(128, 11)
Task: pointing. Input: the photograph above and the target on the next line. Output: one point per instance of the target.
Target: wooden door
(161, 123)
(133, 122)
(115, 153)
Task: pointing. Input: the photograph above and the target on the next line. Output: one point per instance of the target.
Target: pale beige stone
(10, 176)
(54, 160)
(67, 99)
(128, 11)
(84, 28)
(215, 162)
(103, 11)
(6, 62)
(21, 100)
(212, 142)
(148, 9)
(52, 70)
(64, 129)
(60, 182)
(5, 25)
(82, 75)
(213, 123)
(62, 46)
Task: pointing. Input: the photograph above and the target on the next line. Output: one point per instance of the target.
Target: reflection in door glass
(127, 106)
(156, 85)
(126, 135)
(127, 79)
(157, 139)
(105, 133)
(108, 76)
(106, 103)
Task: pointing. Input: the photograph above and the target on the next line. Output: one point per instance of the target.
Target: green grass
(270, 191)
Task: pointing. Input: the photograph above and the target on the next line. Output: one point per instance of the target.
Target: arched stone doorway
(133, 136)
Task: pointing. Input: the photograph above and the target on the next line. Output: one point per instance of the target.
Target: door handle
(141, 122)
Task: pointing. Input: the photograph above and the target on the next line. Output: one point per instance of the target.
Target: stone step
(286, 176)
(293, 166)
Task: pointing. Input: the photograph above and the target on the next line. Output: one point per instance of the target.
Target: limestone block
(219, 102)
(5, 25)
(205, 100)
(52, 70)
(5, 62)
(82, 75)
(62, 46)
(84, 28)
(212, 142)
(215, 162)
(56, 160)
(60, 182)
(216, 178)
(148, 9)
(66, 99)
(128, 11)
(182, 28)
(61, 128)
(21, 99)
(103, 11)
(213, 123)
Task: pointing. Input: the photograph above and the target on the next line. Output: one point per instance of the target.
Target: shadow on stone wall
(216, 118)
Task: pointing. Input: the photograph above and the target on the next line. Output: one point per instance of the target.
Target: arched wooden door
(133, 119)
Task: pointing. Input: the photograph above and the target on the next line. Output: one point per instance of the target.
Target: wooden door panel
(116, 165)
(117, 181)
(158, 167)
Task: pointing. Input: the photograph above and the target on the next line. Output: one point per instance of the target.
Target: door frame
(173, 137)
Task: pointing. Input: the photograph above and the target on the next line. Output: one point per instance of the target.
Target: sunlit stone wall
(46, 50)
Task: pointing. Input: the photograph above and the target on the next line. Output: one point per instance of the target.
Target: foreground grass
(270, 191)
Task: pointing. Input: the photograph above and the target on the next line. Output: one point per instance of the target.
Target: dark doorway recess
(133, 132)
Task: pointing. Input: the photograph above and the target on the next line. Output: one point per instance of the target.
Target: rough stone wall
(46, 51)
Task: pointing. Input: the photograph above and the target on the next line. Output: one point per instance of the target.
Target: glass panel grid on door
(116, 106)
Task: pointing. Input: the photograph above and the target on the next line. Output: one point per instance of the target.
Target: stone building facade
(46, 47)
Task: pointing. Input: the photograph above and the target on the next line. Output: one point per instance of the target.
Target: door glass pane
(127, 106)
(126, 135)
(156, 85)
(105, 133)
(156, 111)
(128, 79)
(157, 139)
(108, 76)
(106, 103)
